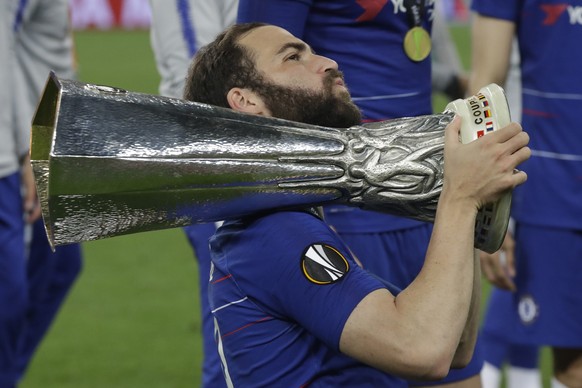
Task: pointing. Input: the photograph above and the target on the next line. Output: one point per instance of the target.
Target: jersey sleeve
(288, 14)
(303, 272)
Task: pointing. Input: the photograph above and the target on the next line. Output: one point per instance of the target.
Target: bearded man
(291, 306)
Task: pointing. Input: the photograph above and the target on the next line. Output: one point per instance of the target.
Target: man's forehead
(269, 40)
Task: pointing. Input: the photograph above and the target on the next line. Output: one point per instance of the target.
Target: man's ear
(247, 101)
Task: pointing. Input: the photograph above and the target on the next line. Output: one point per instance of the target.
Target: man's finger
(504, 134)
(453, 130)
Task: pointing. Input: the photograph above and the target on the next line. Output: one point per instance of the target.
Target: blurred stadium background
(132, 319)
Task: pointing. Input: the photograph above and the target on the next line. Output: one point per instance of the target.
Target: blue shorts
(548, 300)
(13, 284)
(499, 315)
(497, 341)
(50, 278)
(397, 256)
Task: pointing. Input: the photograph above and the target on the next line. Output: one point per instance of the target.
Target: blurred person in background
(547, 241)
(448, 75)
(499, 350)
(383, 49)
(179, 28)
(36, 38)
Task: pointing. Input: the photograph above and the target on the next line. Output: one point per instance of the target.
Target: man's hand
(483, 170)
(30, 203)
(499, 267)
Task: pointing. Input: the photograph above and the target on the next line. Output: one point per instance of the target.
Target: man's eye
(294, 57)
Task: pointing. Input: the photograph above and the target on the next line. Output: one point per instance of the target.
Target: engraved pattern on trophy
(391, 166)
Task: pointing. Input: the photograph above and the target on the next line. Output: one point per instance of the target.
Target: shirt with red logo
(550, 36)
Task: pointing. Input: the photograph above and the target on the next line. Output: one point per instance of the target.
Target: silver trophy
(109, 162)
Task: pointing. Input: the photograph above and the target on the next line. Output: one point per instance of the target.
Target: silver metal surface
(392, 166)
(110, 162)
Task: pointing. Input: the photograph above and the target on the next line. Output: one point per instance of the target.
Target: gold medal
(417, 44)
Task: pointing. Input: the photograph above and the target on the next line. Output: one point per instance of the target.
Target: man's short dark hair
(220, 66)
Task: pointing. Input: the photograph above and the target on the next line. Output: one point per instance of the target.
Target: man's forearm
(466, 346)
(488, 68)
(440, 298)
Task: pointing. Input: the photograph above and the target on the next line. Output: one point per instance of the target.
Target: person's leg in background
(499, 352)
(549, 296)
(13, 289)
(50, 278)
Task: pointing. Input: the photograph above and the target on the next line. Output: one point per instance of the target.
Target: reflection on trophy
(109, 162)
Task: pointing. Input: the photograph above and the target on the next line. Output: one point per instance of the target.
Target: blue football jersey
(549, 34)
(282, 287)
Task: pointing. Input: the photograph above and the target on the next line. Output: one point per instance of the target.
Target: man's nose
(324, 64)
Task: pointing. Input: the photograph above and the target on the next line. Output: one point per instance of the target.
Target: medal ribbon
(414, 11)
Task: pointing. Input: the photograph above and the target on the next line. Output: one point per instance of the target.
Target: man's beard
(307, 106)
